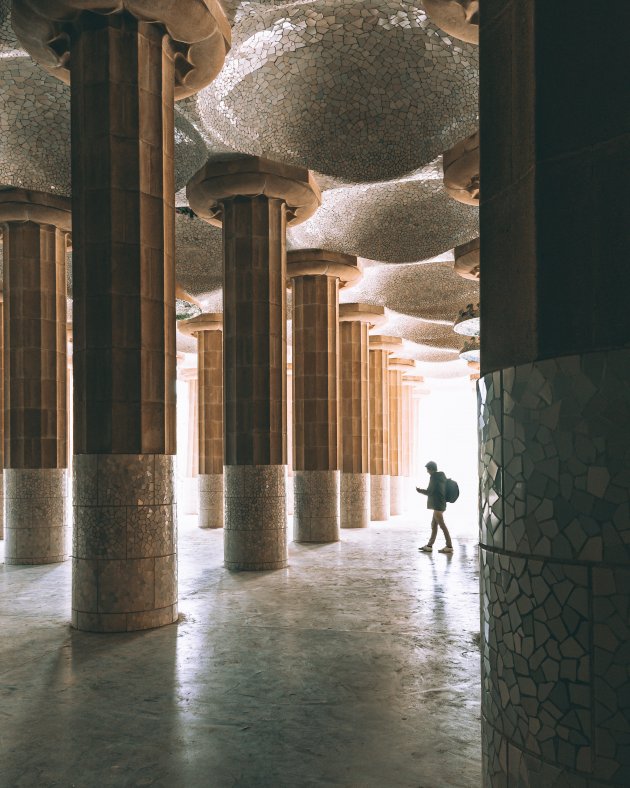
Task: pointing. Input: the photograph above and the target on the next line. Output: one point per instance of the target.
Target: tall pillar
(414, 390)
(188, 495)
(290, 488)
(354, 322)
(35, 230)
(254, 199)
(554, 398)
(316, 276)
(207, 328)
(397, 366)
(380, 348)
(1, 416)
(125, 74)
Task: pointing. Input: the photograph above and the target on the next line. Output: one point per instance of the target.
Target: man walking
(436, 501)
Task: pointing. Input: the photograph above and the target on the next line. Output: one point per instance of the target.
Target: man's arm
(424, 492)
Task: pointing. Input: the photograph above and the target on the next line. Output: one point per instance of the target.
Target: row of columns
(330, 405)
(125, 74)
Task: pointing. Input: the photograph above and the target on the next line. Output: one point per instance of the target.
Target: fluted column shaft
(395, 441)
(379, 434)
(122, 93)
(35, 392)
(210, 428)
(355, 424)
(315, 408)
(254, 310)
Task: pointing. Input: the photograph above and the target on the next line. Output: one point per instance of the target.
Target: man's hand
(424, 492)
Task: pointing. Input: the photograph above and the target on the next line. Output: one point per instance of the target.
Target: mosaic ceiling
(366, 93)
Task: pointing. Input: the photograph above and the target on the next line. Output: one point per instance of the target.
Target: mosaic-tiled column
(355, 320)
(254, 199)
(125, 74)
(554, 398)
(35, 230)
(316, 276)
(396, 366)
(207, 328)
(380, 349)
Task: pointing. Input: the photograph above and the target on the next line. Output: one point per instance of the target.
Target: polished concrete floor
(357, 666)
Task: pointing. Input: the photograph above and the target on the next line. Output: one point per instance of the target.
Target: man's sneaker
(426, 549)
(446, 550)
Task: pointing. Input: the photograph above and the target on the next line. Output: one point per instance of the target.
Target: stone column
(316, 276)
(35, 230)
(554, 398)
(1, 416)
(397, 366)
(188, 502)
(414, 390)
(290, 488)
(355, 320)
(207, 328)
(254, 199)
(125, 74)
(380, 348)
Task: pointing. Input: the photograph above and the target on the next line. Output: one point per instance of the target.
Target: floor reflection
(357, 666)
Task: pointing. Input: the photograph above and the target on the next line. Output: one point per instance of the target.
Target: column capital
(459, 18)
(372, 314)
(412, 380)
(320, 262)
(23, 205)
(397, 364)
(461, 170)
(207, 321)
(380, 342)
(198, 30)
(467, 260)
(252, 176)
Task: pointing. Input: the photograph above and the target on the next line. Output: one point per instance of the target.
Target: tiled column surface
(396, 445)
(555, 536)
(316, 276)
(207, 328)
(124, 78)
(188, 500)
(354, 322)
(380, 348)
(290, 490)
(35, 229)
(253, 199)
(554, 401)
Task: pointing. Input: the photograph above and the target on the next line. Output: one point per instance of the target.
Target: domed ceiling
(366, 93)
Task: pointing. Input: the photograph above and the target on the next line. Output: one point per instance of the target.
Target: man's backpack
(451, 493)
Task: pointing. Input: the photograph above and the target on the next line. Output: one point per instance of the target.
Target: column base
(36, 515)
(210, 500)
(316, 517)
(396, 494)
(255, 517)
(124, 542)
(355, 500)
(379, 497)
(190, 488)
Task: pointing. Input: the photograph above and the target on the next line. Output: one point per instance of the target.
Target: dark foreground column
(35, 230)
(380, 349)
(355, 320)
(554, 398)
(207, 328)
(316, 276)
(125, 74)
(254, 198)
